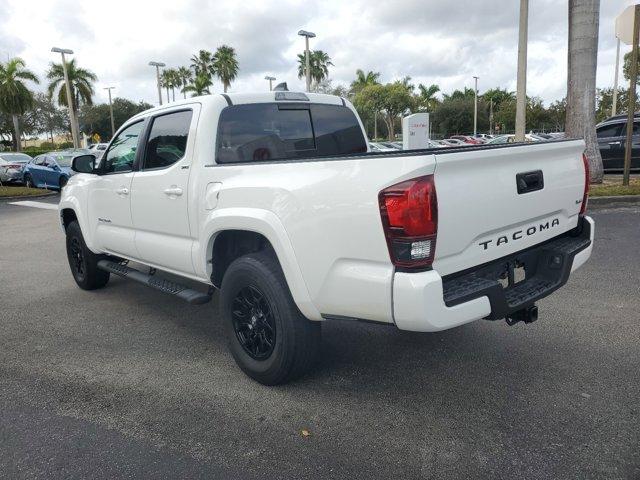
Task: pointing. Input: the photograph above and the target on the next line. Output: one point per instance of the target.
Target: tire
(83, 262)
(295, 340)
(62, 182)
(28, 181)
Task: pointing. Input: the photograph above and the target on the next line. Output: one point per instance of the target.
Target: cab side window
(122, 152)
(167, 141)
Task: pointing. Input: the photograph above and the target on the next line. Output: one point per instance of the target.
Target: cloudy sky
(434, 41)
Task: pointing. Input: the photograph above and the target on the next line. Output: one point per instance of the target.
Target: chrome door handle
(122, 191)
(615, 143)
(176, 191)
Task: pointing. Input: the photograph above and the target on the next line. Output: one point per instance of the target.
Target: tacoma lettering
(517, 235)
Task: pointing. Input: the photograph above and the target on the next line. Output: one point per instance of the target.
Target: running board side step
(167, 286)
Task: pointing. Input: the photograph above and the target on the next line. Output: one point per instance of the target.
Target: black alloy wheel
(253, 323)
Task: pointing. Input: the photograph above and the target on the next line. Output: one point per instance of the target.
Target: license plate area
(513, 272)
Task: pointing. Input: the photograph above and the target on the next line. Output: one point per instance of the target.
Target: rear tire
(83, 262)
(62, 182)
(270, 340)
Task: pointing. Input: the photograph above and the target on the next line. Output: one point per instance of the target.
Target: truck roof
(246, 98)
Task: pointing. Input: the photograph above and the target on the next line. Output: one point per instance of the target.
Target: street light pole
(113, 128)
(307, 55)
(271, 79)
(72, 114)
(158, 65)
(521, 89)
(614, 107)
(475, 107)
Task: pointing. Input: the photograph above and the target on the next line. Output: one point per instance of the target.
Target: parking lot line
(30, 203)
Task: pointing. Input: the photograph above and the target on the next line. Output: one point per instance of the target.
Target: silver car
(12, 166)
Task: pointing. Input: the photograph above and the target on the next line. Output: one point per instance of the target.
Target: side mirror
(83, 164)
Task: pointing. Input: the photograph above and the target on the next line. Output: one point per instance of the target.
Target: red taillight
(585, 196)
(17, 167)
(409, 213)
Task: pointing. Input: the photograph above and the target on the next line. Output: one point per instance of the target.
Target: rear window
(271, 131)
(613, 130)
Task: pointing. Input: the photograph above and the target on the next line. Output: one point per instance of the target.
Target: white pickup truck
(275, 200)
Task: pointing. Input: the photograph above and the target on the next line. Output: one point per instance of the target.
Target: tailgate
(481, 214)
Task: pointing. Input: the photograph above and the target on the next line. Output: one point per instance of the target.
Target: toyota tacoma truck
(274, 200)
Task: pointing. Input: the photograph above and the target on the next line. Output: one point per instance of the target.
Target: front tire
(28, 181)
(62, 182)
(270, 340)
(83, 262)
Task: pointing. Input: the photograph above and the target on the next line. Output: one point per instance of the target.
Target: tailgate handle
(529, 181)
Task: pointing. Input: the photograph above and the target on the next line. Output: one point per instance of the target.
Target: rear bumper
(426, 302)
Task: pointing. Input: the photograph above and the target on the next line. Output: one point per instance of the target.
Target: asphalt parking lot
(126, 382)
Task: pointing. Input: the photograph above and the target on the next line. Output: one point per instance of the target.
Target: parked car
(297, 224)
(12, 166)
(392, 145)
(454, 142)
(511, 138)
(50, 170)
(612, 135)
(380, 147)
(467, 139)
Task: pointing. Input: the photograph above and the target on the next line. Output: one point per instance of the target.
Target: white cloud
(433, 41)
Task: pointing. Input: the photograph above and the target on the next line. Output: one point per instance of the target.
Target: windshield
(63, 160)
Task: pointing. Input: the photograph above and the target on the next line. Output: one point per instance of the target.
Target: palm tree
(427, 97)
(202, 64)
(364, 80)
(200, 86)
(185, 76)
(319, 63)
(581, 79)
(15, 97)
(81, 81)
(166, 81)
(225, 65)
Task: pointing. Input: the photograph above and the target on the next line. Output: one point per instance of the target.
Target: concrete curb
(27, 197)
(596, 203)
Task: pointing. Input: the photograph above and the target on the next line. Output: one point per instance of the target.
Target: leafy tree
(460, 94)
(498, 96)
(604, 102)
(364, 80)
(202, 64)
(225, 65)
(199, 86)
(391, 100)
(185, 76)
(45, 118)
(454, 115)
(15, 97)
(426, 98)
(319, 63)
(81, 81)
(170, 79)
(96, 118)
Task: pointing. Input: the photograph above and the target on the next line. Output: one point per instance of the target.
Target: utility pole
(307, 55)
(631, 111)
(521, 89)
(113, 128)
(614, 107)
(475, 107)
(75, 134)
(158, 65)
(271, 79)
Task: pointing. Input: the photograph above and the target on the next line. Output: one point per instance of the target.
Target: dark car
(611, 140)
